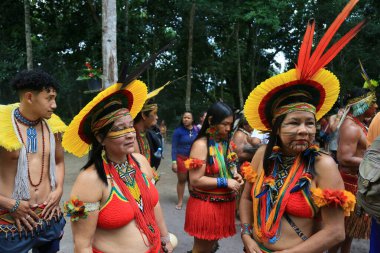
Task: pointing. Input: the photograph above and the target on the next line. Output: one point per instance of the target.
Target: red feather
(304, 55)
(328, 36)
(337, 47)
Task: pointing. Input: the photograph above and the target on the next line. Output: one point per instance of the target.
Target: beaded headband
(285, 109)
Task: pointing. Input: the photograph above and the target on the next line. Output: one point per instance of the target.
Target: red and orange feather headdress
(308, 79)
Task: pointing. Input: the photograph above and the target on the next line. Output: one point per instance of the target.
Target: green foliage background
(66, 32)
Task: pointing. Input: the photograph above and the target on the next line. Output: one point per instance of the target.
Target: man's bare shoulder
(349, 128)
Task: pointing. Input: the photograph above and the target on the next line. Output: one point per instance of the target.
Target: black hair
(139, 117)
(242, 122)
(95, 155)
(354, 93)
(34, 80)
(273, 141)
(180, 122)
(218, 112)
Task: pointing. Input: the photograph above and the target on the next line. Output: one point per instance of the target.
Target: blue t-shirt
(181, 141)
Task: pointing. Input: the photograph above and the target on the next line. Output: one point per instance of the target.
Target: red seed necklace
(359, 123)
(43, 155)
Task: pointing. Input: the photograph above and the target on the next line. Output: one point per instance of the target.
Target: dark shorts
(375, 235)
(44, 240)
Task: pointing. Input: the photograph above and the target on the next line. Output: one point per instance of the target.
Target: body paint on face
(120, 133)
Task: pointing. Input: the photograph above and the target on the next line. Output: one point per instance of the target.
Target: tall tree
(240, 90)
(190, 57)
(109, 48)
(28, 36)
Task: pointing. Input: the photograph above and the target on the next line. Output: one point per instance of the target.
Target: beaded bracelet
(15, 207)
(246, 229)
(221, 182)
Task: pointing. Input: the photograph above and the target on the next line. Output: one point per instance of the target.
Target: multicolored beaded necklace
(128, 174)
(31, 132)
(289, 174)
(43, 154)
(132, 175)
(221, 157)
(143, 143)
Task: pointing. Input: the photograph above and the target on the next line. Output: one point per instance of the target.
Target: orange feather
(337, 47)
(304, 55)
(317, 54)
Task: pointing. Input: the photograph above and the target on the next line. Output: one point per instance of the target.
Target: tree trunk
(28, 36)
(109, 49)
(190, 57)
(240, 90)
(126, 30)
(253, 60)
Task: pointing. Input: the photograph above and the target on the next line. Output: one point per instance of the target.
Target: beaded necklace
(128, 174)
(27, 158)
(31, 132)
(289, 174)
(143, 143)
(145, 219)
(359, 123)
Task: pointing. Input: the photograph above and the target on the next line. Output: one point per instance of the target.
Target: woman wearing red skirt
(210, 212)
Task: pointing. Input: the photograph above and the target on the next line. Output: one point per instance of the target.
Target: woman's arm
(83, 189)
(246, 207)
(162, 226)
(197, 176)
(175, 138)
(332, 230)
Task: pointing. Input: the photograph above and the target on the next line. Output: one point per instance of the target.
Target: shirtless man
(352, 143)
(31, 167)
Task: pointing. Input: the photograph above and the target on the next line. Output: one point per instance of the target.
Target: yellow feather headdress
(309, 79)
(77, 138)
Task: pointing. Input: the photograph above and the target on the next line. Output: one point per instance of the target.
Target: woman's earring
(103, 154)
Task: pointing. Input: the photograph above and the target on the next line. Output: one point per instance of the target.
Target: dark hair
(273, 141)
(180, 122)
(34, 80)
(139, 117)
(95, 155)
(354, 93)
(218, 112)
(242, 122)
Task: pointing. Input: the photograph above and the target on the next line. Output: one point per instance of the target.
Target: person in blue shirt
(182, 139)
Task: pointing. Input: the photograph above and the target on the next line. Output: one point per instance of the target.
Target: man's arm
(52, 202)
(349, 137)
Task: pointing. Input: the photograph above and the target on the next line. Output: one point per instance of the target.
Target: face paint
(119, 133)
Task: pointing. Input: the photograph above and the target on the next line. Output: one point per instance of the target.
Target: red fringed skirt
(357, 225)
(210, 216)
